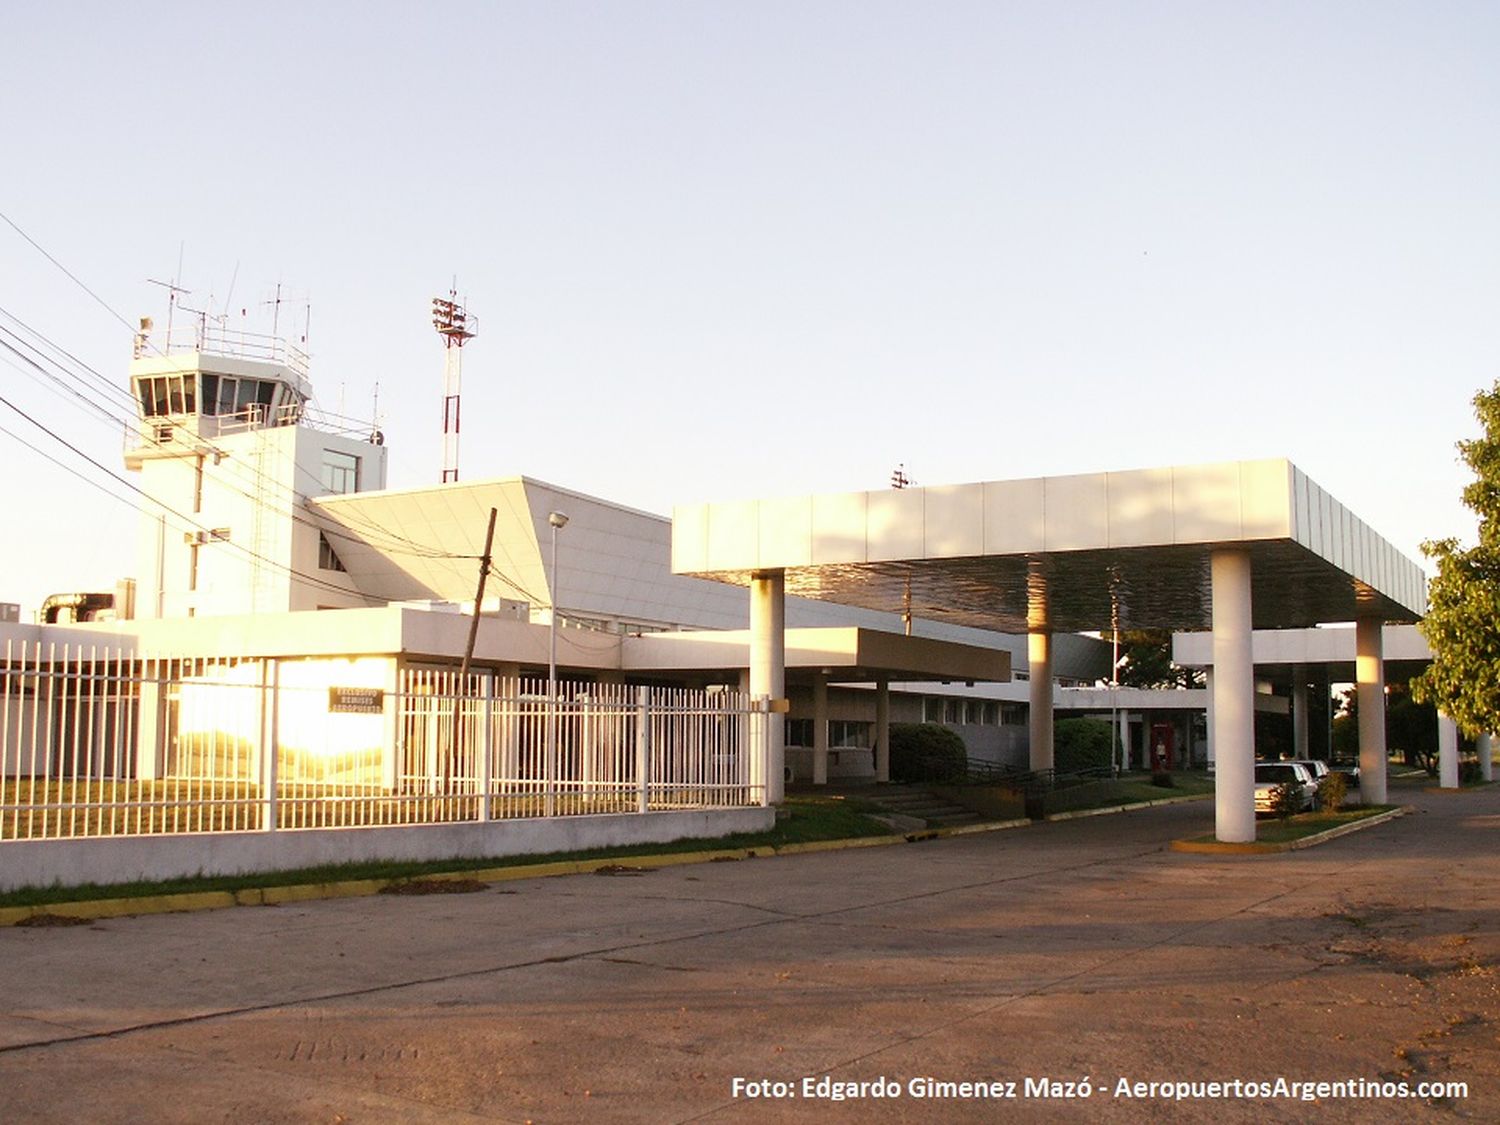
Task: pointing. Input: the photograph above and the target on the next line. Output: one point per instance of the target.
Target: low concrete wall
(125, 859)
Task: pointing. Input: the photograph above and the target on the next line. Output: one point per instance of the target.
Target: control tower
(228, 453)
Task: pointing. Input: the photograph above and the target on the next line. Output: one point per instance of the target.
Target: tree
(1462, 625)
(1146, 661)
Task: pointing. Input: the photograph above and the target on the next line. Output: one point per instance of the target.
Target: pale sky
(738, 249)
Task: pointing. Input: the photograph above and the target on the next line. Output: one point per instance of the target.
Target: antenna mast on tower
(457, 328)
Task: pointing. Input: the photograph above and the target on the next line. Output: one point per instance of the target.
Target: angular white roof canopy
(1131, 547)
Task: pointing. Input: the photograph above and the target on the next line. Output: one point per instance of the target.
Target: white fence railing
(95, 743)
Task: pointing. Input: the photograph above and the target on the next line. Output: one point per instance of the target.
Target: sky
(725, 250)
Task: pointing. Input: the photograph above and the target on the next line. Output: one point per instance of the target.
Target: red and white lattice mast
(457, 328)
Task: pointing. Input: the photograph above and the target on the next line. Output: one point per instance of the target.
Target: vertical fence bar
(642, 749)
(487, 747)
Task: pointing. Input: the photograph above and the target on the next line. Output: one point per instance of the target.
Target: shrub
(1333, 791)
(926, 752)
(1162, 780)
(1082, 744)
(1286, 799)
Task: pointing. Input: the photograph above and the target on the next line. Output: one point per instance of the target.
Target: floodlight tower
(457, 328)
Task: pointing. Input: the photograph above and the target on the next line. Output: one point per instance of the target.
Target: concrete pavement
(1066, 951)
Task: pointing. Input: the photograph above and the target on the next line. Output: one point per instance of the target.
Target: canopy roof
(1130, 548)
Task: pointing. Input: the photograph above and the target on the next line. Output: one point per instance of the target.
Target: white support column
(391, 722)
(1369, 676)
(768, 671)
(1486, 757)
(1447, 752)
(1039, 661)
(1233, 698)
(1123, 734)
(1299, 711)
(882, 728)
(1208, 683)
(820, 730)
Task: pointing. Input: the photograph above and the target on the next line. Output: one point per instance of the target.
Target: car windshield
(1277, 774)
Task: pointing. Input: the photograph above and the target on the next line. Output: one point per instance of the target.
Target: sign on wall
(356, 700)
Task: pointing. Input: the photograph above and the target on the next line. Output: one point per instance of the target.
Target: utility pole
(484, 573)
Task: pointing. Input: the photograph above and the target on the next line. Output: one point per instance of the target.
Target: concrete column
(1039, 661)
(1299, 711)
(1486, 758)
(1233, 698)
(1122, 732)
(882, 728)
(768, 673)
(1369, 676)
(1447, 752)
(820, 730)
(1208, 683)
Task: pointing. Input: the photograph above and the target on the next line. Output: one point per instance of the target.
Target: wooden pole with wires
(484, 573)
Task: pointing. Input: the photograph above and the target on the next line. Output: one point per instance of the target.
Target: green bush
(1286, 799)
(1333, 790)
(1162, 780)
(927, 752)
(1082, 744)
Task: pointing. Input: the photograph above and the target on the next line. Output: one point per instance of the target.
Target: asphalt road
(1060, 958)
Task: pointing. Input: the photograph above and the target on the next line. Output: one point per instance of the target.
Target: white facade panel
(1140, 508)
(1206, 504)
(1015, 516)
(838, 527)
(894, 523)
(786, 531)
(734, 535)
(954, 519)
(1265, 500)
(1077, 516)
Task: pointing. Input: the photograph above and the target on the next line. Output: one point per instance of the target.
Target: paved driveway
(1058, 953)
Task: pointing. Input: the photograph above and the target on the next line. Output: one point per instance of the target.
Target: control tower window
(161, 395)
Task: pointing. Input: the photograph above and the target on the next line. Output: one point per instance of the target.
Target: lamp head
(557, 519)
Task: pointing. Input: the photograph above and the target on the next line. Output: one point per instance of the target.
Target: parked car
(1319, 770)
(1268, 775)
(1349, 767)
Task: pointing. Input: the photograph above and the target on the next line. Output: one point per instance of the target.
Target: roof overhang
(1128, 547)
(842, 654)
(1404, 651)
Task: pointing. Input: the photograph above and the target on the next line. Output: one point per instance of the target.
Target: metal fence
(96, 743)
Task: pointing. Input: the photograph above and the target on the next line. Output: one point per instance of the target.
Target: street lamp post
(557, 521)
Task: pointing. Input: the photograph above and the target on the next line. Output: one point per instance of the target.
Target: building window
(340, 471)
(328, 558)
(932, 709)
(799, 732)
(843, 734)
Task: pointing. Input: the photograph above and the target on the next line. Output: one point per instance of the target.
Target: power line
(393, 543)
(71, 275)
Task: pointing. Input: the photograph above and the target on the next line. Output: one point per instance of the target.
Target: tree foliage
(1462, 625)
(1146, 661)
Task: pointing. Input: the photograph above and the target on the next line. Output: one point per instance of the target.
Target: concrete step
(910, 801)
